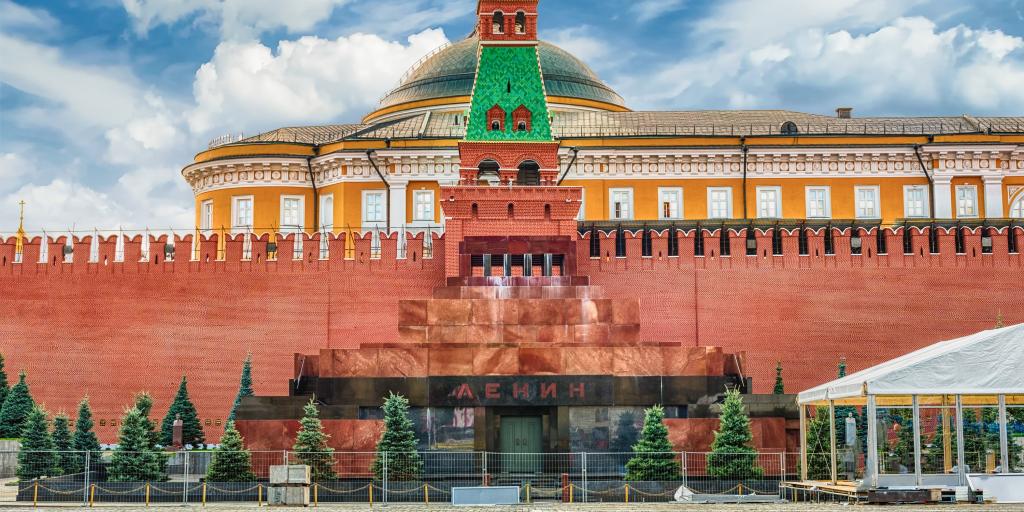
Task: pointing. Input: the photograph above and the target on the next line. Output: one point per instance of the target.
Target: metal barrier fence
(197, 477)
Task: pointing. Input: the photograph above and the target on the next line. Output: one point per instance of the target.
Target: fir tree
(191, 429)
(311, 445)
(231, 462)
(653, 458)
(17, 406)
(84, 439)
(732, 455)
(903, 447)
(626, 433)
(35, 459)
(398, 444)
(134, 459)
(819, 451)
(4, 386)
(144, 403)
(65, 459)
(780, 388)
(244, 386)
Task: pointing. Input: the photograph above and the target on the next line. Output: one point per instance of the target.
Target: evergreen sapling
(311, 445)
(780, 388)
(65, 460)
(84, 440)
(732, 454)
(244, 386)
(230, 462)
(35, 459)
(398, 444)
(134, 460)
(4, 386)
(17, 406)
(144, 403)
(191, 429)
(653, 459)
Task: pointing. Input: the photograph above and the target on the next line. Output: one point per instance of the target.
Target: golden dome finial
(19, 244)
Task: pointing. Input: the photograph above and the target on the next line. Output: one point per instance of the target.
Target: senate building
(507, 243)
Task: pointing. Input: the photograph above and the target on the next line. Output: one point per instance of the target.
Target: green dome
(450, 71)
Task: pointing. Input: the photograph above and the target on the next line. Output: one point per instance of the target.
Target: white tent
(983, 369)
(985, 363)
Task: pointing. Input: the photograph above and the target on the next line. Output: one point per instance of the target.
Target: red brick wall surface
(110, 330)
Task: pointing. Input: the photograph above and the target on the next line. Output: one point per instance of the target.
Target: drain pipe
(575, 154)
(745, 150)
(387, 188)
(931, 180)
(316, 192)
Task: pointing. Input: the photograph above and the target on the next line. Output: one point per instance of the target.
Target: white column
(994, 197)
(871, 469)
(917, 439)
(1004, 447)
(960, 456)
(833, 455)
(396, 205)
(943, 197)
(803, 442)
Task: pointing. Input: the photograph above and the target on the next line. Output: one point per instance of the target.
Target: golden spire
(19, 244)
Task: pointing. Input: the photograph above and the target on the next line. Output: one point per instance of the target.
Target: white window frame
(761, 214)
(827, 205)
(300, 226)
(206, 216)
(662, 191)
(728, 200)
(242, 228)
(974, 199)
(384, 208)
(416, 217)
(907, 213)
(611, 203)
(876, 200)
(1017, 208)
(582, 215)
(326, 221)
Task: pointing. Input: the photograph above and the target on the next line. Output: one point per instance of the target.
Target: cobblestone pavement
(652, 507)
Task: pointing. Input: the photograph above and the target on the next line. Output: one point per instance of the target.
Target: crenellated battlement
(281, 252)
(290, 252)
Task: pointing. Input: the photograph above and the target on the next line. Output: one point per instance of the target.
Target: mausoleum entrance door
(521, 435)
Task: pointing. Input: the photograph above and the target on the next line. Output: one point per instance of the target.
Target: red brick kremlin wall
(111, 329)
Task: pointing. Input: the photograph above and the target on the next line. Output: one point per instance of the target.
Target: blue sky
(102, 102)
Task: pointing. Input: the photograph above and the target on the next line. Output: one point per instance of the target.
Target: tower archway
(529, 173)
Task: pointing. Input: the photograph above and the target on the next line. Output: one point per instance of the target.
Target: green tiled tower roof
(510, 77)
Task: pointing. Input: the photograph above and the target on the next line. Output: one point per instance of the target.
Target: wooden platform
(841, 489)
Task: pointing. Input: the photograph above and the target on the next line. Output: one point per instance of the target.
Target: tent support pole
(803, 442)
(960, 462)
(871, 471)
(832, 439)
(917, 439)
(1004, 447)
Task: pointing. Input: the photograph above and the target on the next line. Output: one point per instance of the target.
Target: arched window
(489, 172)
(1017, 208)
(498, 23)
(520, 22)
(789, 128)
(496, 119)
(521, 127)
(522, 118)
(529, 173)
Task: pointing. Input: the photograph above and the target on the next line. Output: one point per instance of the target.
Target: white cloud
(64, 205)
(865, 54)
(646, 10)
(12, 168)
(237, 19)
(15, 17)
(248, 85)
(581, 42)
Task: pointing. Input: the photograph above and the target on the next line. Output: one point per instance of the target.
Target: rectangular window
(867, 206)
(818, 203)
(241, 214)
(292, 211)
(670, 201)
(915, 201)
(327, 213)
(720, 202)
(621, 203)
(373, 206)
(206, 216)
(966, 201)
(769, 205)
(423, 206)
(583, 206)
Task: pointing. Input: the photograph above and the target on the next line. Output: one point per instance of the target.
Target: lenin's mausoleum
(531, 262)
